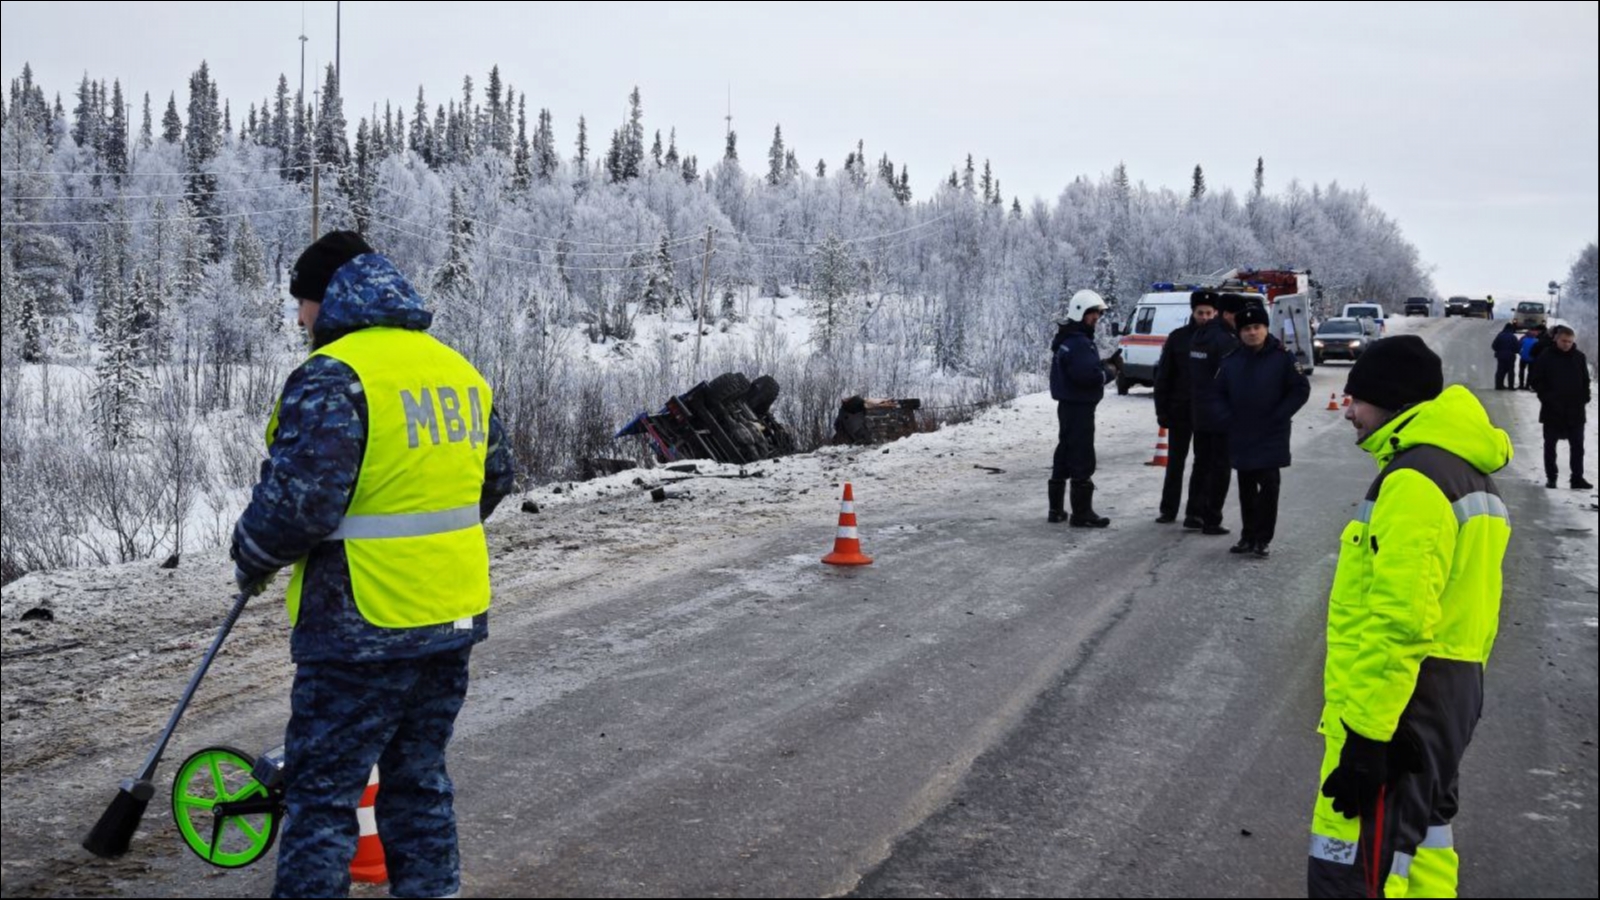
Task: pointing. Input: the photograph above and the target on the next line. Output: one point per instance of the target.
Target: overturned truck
(728, 419)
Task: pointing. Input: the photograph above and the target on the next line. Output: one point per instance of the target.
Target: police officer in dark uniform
(1211, 342)
(1175, 409)
(1078, 379)
(384, 457)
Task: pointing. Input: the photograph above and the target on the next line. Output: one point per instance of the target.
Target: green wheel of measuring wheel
(225, 816)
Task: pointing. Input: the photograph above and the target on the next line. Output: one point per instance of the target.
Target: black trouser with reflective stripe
(1212, 474)
(1178, 438)
(1258, 504)
(1415, 806)
(1573, 435)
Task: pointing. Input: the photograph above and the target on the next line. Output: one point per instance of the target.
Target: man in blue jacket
(1262, 389)
(1078, 379)
(1505, 347)
(1530, 340)
(1211, 342)
(384, 457)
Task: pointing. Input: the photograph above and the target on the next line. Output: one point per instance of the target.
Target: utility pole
(705, 289)
(303, 39)
(316, 200)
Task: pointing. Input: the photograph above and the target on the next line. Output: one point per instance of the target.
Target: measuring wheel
(226, 817)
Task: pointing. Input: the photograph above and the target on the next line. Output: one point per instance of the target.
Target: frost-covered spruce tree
(119, 379)
(832, 283)
(1105, 276)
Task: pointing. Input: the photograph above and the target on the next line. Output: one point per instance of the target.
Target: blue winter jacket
(1260, 390)
(310, 475)
(1529, 341)
(1076, 373)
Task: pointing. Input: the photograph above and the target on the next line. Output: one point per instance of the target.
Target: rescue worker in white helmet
(1078, 379)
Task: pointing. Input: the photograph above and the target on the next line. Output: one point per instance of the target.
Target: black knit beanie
(1396, 372)
(1203, 297)
(312, 272)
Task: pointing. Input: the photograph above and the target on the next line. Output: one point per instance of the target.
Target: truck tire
(729, 386)
(1123, 384)
(763, 393)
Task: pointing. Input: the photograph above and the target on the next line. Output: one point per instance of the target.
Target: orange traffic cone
(1333, 402)
(368, 866)
(1160, 458)
(847, 546)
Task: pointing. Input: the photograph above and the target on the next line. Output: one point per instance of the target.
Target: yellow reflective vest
(412, 534)
(1420, 566)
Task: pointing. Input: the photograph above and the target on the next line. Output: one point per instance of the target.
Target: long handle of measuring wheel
(154, 759)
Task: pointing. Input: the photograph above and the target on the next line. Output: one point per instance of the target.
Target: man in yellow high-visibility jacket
(384, 457)
(1411, 620)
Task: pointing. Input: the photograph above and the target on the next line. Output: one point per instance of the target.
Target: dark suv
(1342, 339)
(1419, 306)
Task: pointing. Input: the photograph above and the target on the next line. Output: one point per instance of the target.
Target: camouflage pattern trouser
(398, 714)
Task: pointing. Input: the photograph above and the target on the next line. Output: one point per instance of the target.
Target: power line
(438, 235)
(564, 252)
(239, 215)
(87, 197)
(537, 237)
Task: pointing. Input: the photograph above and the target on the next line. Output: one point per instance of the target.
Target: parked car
(1419, 306)
(1343, 338)
(1529, 314)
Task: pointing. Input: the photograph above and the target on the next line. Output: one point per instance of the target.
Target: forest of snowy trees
(146, 328)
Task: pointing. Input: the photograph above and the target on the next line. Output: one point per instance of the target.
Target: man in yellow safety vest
(1411, 620)
(385, 455)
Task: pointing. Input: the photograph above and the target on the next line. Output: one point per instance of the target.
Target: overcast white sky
(1476, 125)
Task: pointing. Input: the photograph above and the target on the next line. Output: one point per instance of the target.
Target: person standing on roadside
(1210, 343)
(1561, 378)
(1262, 389)
(1175, 409)
(1412, 617)
(1078, 379)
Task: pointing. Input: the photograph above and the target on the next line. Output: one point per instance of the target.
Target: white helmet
(1083, 303)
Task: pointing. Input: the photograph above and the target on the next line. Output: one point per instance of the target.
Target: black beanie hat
(1395, 372)
(1253, 315)
(1234, 303)
(312, 272)
(1203, 297)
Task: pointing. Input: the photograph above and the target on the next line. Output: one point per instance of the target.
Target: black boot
(1083, 514)
(1578, 484)
(1058, 494)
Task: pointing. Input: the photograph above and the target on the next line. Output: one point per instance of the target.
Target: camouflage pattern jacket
(310, 476)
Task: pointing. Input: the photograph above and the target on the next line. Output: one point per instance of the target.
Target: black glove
(1362, 771)
(251, 585)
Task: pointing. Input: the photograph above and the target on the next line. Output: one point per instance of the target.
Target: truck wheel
(1123, 384)
(763, 393)
(729, 386)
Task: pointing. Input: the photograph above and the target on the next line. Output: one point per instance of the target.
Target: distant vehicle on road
(1480, 309)
(1343, 338)
(1419, 306)
(1457, 306)
(1530, 313)
(1373, 311)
